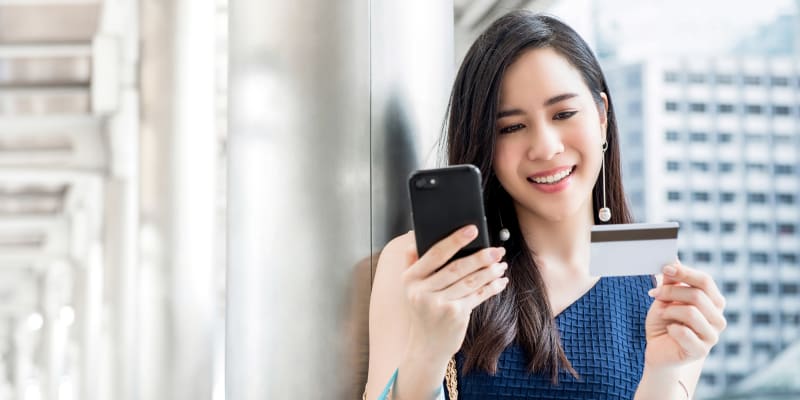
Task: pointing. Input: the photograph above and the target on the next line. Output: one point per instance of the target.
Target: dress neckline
(583, 296)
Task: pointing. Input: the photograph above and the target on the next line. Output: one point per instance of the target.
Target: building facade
(713, 144)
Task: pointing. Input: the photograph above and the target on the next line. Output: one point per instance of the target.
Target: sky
(683, 26)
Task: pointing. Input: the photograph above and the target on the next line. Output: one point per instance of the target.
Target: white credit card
(633, 249)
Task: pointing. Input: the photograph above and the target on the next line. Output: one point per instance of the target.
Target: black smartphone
(444, 200)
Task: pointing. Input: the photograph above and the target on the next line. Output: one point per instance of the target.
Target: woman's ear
(604, 116)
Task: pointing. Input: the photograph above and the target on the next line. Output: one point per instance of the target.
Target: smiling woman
(531, 109)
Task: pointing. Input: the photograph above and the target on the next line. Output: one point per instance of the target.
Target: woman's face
(550, 135)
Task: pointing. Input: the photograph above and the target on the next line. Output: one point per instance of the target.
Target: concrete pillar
(322, 95)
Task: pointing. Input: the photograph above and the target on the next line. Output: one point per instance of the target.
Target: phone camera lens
(420, 183)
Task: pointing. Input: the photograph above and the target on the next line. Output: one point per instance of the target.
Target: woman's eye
(564, 115)
(511, 128)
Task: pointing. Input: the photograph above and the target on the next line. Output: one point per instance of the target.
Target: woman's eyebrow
(561, 97)
(508, 113)
(549, 102)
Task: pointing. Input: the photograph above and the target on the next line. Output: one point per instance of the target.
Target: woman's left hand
(685, 320)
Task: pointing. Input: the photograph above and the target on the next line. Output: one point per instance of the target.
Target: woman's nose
(545, 143)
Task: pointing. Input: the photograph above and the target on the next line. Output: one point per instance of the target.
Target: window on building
(698, 137)
(781, 110)
(752, 80)
(784, 198)
(671, 106)
(729, 287)
(728, 197)
(791, 288)
(701, 226)
(700, 166)
(672, 136)
(635, 108)
(761, 318)
(697, 107)
(757, 227)
(755, 138)
(637, 197)
(790, 318)
(724, 79)
(787, 258)
(634, 138)
(724, 137)
(673, 166)
(725, 108)
(784, 169)
(673, 196)
(700, 196)
(758, 257)
(727, 227)
(756, 167)
(697, 78)
(753, 109)
(759, 288)
(702, 256)
(671, 76)
(732, 317)
(708, 379)
(762, 347)
(725, 167)
(778, 139)
(729, 257)
(756, 198)
(779, 81)
(732, 379)
(732, 348)
(634, 78)
(785, 229)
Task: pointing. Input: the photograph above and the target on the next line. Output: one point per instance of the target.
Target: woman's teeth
(555, 178)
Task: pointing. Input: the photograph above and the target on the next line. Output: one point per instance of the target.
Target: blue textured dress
(603, 337)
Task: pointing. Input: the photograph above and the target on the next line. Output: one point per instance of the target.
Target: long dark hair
(522, 311)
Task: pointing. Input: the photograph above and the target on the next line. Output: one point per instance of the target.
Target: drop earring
(504, 234)
(605, 213)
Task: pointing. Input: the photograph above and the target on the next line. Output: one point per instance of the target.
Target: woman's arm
(669, 383)
(683, 324)
(391, 350)
(420, 308)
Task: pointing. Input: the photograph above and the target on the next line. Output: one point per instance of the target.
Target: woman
(531, 109)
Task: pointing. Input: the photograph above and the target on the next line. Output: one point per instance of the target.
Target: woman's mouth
(552, 179)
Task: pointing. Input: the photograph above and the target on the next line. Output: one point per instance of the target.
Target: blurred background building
(157, 210)
(712, 141)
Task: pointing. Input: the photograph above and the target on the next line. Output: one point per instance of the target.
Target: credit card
(633, 249)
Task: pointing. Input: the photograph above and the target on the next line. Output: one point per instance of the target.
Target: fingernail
(493, 254)
(503, 266)
(652, 292)
(670, 270)
(501, 251)
(469, 231)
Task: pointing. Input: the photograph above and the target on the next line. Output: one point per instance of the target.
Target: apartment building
(714, 144)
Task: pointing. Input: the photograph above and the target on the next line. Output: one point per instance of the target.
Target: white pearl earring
(605, 213)
(504, 233)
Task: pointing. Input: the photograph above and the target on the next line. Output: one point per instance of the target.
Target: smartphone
(633, 249)
(444, 200)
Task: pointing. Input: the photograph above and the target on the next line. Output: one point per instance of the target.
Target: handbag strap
(451, 379)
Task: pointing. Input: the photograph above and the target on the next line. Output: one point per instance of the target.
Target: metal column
(331, 104)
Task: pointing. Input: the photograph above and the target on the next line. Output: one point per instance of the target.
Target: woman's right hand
(440, 300)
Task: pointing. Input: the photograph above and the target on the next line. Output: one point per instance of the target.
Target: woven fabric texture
(603, 337)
